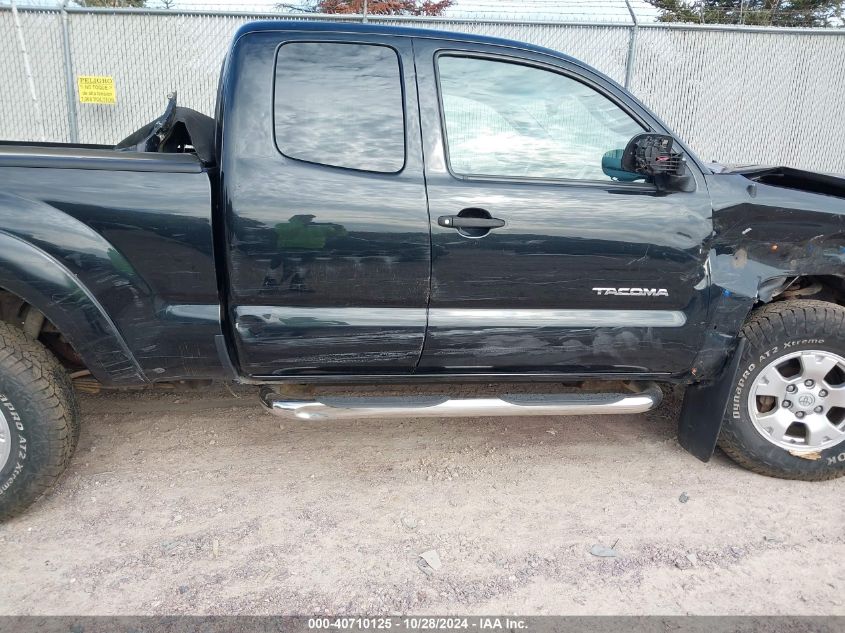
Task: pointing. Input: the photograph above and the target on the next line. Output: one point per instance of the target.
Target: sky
(552, 10)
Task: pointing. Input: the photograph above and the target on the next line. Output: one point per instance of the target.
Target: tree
(377, 7)
(808, 13)
(113, 4)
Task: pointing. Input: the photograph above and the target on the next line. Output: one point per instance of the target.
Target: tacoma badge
(632, 292)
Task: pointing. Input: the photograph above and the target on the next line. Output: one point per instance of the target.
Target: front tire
(786, 417)
(39, 420)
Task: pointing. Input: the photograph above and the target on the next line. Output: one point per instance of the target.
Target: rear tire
(784, 418)
(39, 420)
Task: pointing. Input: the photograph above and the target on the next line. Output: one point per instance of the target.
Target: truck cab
(412, 204)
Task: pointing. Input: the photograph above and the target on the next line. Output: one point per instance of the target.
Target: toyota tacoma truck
(377, 217)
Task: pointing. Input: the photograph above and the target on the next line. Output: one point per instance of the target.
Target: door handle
(461, 222)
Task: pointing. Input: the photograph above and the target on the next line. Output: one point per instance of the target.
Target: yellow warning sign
(93, 89)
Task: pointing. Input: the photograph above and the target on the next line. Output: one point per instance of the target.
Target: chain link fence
(735, 94)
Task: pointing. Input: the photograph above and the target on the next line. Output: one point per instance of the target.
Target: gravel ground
(198, 502)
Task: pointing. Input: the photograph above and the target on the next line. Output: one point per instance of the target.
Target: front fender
(45, 283)
(762, 236)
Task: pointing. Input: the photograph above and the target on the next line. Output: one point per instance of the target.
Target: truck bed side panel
(140, 242)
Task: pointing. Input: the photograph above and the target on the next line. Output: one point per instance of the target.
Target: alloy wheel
(798, 400)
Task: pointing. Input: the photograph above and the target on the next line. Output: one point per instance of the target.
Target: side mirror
(651, 155)
(611, 165)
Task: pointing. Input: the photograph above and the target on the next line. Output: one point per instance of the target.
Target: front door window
(516, 121)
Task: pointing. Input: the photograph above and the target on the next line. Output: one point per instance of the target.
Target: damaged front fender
(765, 236)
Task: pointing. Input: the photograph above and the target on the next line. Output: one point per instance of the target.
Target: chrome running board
(346, 408)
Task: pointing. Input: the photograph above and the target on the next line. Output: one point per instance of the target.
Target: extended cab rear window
(341, 105)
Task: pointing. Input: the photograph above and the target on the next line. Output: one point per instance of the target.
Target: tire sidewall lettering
(20, 448)
(737, 399)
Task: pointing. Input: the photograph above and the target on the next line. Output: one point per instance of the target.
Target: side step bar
(345, 408)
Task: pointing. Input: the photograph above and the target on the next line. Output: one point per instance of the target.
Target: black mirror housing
(652, 156)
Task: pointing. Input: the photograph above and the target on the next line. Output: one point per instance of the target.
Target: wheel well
(819, 287)
(19, 313)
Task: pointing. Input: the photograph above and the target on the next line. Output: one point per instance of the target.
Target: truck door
(561, 269)
(328, 251)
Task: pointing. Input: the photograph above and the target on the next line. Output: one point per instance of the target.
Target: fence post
(364, 12)
(632, 46)
(72, 121)
(28, 70)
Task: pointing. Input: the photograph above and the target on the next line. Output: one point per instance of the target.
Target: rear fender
(45, 283)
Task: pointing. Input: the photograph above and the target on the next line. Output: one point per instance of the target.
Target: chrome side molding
(646, 398)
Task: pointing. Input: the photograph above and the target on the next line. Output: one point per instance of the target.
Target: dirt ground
(199, 502)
